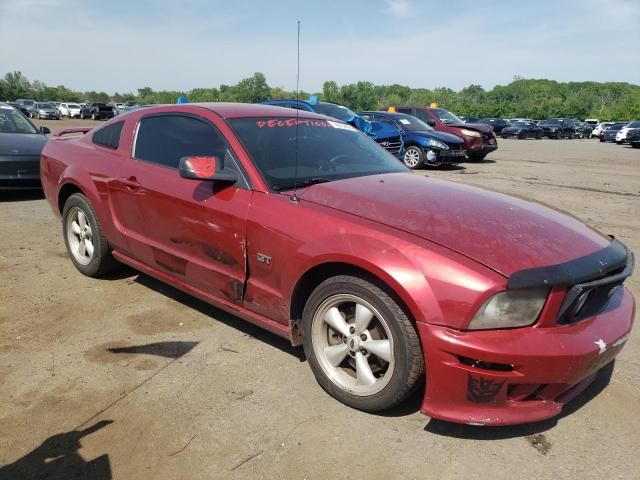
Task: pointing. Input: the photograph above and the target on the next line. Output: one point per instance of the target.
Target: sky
(122, 45)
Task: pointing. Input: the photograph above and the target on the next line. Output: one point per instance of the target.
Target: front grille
(392, 145)
(591, 298)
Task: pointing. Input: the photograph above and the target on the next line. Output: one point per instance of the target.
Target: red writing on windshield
(291, 122)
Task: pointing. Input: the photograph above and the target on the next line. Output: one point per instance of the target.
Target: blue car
(423, 145)
(384, 134)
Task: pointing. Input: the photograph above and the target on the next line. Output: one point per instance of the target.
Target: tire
(538, 137)
(81, 116)
(635, 145)
(93, 116)
(384, 383)
(92, 264)
(618, 143)
(413, 157)
(602, 139)
(476, 157)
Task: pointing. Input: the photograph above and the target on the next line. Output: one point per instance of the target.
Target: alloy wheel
(80, 236)
(411, 158)
(353, 344)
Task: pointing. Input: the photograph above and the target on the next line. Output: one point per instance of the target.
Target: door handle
(130, 182)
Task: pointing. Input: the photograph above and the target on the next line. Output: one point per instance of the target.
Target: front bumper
(19, 173)
(505, 377)
(484, 144)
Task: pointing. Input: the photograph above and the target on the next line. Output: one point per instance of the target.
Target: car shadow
(469, 432)
(221, 316)
(175, 349)
(478, 162)
(57, 458)
(443, 168)
(21, 195)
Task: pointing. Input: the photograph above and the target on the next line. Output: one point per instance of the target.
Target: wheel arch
(65, 192)
(318, 273)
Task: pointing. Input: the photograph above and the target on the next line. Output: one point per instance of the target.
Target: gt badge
(262, 258)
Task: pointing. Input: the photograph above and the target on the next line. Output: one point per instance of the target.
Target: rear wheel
(84, 238)
(413, 157)
(93, 116)
(360, 344)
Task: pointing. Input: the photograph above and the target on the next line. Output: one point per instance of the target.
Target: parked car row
(618, 132)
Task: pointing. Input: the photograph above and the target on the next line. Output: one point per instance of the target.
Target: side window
(367, 116)
(408, 111)
(164, 139)
(383, 119)
(109, 136)
(422, 115)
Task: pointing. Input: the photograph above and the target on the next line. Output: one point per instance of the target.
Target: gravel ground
(127, 378)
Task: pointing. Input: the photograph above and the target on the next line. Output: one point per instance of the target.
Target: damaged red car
(501, 309)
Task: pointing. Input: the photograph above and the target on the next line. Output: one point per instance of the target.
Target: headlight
(470, 133)
(437, 144)
(510, 309)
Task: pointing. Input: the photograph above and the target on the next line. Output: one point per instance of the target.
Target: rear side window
(164, 139)
(109, 136)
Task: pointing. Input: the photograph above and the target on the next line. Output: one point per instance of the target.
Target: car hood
(480, 127)
(441, 136)
(504, 233)
(21, 144)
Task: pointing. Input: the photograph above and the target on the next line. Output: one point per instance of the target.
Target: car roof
(244, 110)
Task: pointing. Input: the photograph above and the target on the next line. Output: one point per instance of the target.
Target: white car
(71, 110)
(621, 136)
(597, 131)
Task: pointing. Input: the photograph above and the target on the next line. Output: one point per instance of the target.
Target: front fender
(437, 286)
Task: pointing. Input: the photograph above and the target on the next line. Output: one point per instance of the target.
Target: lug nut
(364, 352)
(352, 330)
(363, 337)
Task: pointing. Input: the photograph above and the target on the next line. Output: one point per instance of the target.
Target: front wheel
(413, 157)
(84, 238)
(476, 157)
(93, 116)
(360, 344)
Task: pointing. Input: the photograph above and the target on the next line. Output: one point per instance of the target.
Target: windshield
(327, 151)
(73, 105)
(335, 111)
(12, 121)
(446, 116)
(28, 103)
(634, 124)
(549, 122)
(520, 124)
(44, 105)
(411, 123)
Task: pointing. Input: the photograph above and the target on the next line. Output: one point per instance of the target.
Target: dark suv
(558, 128)
(96, 111)
(479, 140)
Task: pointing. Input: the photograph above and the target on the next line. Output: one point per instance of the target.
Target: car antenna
(294, 197)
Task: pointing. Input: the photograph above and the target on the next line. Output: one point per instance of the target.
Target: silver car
(44, 111)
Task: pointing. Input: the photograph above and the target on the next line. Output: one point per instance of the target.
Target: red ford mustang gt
(503, 308)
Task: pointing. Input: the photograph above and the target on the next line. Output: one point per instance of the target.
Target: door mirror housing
(206, 168)
(44, 130)
(431, 122)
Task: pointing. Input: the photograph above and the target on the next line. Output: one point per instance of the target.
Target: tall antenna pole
(294, 197)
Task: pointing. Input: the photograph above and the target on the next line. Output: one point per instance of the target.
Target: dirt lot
(169, 387)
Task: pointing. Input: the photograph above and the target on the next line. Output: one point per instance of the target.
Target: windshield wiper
(303, 183)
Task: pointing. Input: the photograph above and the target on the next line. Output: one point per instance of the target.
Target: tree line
(529, 98)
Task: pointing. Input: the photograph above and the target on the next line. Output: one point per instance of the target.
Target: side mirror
(431, 122)
(44, 130)
(206, 168)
